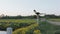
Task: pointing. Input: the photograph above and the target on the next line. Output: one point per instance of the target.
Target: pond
(3, 32)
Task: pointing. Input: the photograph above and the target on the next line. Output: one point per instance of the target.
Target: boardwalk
(54, 22)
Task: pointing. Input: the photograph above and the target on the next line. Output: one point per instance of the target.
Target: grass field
(29, 26)
(21, 26)
(17, 20)
(57, 20)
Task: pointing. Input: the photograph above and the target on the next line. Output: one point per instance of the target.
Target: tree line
(29, 17)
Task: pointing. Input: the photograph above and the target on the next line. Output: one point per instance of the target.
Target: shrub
(26, 30)
(36, 32)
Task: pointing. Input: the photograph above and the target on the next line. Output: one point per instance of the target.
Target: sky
(26, 7)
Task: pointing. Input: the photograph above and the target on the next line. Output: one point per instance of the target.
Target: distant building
(43, 19)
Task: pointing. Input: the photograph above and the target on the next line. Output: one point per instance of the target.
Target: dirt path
(53, 22)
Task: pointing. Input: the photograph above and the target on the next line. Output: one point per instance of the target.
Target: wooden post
(37, 19)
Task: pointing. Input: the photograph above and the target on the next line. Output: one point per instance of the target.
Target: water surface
(3, 32)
